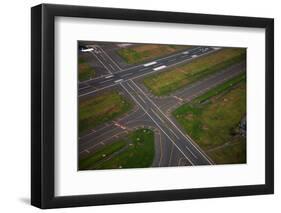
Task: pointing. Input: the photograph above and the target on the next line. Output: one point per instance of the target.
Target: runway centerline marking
(127, 74)
(105, 81)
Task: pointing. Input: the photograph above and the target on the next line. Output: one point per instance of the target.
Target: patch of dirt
(189, 116)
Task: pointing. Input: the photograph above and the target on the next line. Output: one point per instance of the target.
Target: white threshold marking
(87, 50)
(150, 63)
(159, 68)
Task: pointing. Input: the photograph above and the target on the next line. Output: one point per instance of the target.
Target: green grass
(85, 70)
(213, 118)
(136, 150)
(101, 108)
(142, 53)
(175, 78)
(232, 153)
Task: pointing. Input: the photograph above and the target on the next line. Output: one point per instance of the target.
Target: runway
(116, 75)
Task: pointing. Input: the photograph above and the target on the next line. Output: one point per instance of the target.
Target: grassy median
(136, 150)
(141, 53)
(85, 70)
(212, 120)
(178, 77)
(102, 108)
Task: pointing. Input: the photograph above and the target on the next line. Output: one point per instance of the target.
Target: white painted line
(103, 57)
(97, 90)
(87, 50)
(109, 76)
(156, 123)
(127, 74)
(137, 93)
(157, 116)
(174, 134)
(174, 59)
(105, 81)
(159, 68)
(150, 63)
(142, 69)
(118, 81)
(84, 87)
(171, 155)
(111, 66)
(191, 152)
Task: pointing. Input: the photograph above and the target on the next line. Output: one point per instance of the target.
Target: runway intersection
(173, 147)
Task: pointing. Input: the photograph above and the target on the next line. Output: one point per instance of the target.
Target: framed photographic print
(139, 106)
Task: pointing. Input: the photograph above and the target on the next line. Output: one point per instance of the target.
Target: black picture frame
(43, 102)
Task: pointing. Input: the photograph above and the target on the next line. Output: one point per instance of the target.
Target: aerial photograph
(146, 105)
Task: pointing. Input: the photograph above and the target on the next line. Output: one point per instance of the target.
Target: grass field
(178, 77)
(212, 121)
(136, 150)
(85, 70)
(141, 53)
(101, 108)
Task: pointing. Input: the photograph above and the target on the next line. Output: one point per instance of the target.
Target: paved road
(116, 75)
